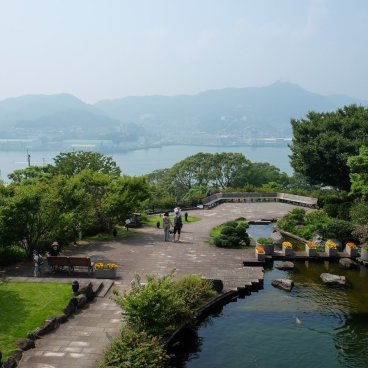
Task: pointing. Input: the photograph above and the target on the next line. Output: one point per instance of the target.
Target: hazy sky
(103, 49)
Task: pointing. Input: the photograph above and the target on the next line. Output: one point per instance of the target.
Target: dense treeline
(82, 193)
(188, 181)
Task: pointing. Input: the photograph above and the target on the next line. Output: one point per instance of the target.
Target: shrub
(134, 349)
(154, 307)
(228, 230)
(194, 290)
(230, 223)
(9, 255)
(338, 229)
(264, 241)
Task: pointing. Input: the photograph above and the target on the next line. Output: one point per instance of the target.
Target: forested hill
(263, 111)
(227, 110)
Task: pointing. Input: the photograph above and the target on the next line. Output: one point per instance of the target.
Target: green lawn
(152, 220)
(25, 305)
(122, 232)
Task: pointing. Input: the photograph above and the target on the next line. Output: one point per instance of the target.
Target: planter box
(311, 252)
(287, 251)
(331, 252)
(268, 248)
(352, 252)
(364, 254)
(101, 273)
(261, 257)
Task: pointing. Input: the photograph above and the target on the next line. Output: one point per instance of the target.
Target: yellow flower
(100, 266)
(287, 244)
(259, 249)
(330, 244)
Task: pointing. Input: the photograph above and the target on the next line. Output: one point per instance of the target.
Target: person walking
(178, 223)
(166, 223)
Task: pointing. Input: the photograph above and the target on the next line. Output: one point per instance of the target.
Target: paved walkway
(81, 341)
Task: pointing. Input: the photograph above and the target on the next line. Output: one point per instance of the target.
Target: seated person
(55, 249)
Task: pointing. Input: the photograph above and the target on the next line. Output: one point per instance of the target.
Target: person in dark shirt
(55, 249)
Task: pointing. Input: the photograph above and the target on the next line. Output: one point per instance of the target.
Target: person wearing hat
(54, 249)
(178, 223)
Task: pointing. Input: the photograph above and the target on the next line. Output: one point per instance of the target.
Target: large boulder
(284, 266)
(49, 325)
(333, 280)
(283, 284)
(348, 263)
(318, 240)
(277, 238)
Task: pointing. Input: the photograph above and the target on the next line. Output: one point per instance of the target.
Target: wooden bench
(70, 262)
(81, 262)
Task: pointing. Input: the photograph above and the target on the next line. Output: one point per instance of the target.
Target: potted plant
(331, 248)
(364, 252)
(311, 249)
(287, 248)
(105, 270)
(267, 245)
(260, 253)
(351, 249)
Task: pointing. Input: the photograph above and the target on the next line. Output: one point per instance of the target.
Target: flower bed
(351, 249)
(287, 248)
(260, 253)
(311, 249)
(331, 248)
(105, 270)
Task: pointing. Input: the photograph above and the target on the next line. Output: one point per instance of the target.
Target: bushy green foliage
(338, 229)
(233, 234)
(317, 221)
(264, 241)
(194, 290)
(134, 349)
(9, 255)
(162, 304)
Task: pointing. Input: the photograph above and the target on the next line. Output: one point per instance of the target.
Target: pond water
(312, 326)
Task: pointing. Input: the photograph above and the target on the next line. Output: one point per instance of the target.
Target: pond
(311, 326)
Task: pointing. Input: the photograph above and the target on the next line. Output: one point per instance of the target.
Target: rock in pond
(283, 284)
(348, 263)
(284, 266)
(333, 280)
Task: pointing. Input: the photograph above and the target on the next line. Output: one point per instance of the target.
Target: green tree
(358, 166)
(323, 142)
(32, 174)
(71, 163)
(28, 215)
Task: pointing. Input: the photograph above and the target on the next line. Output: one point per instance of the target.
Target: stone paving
(81, 341)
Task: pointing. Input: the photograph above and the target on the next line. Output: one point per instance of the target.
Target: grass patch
(25, 305)
(152, 220)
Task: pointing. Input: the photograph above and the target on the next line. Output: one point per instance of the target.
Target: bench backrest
(58, 261)
(80, 261)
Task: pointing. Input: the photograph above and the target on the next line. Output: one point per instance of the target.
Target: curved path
(81, 341)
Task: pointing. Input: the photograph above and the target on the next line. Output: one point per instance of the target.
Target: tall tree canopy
(358, 166)
(71, 163)
(323, 142)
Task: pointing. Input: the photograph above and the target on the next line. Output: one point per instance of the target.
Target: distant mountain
(31, 107)
(256, 110)
(241, 112)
